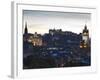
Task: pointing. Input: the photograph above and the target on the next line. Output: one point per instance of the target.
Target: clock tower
(85, 35)
(85, 38)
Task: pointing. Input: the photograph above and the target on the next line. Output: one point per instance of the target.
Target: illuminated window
(81, 46)
(85, 46)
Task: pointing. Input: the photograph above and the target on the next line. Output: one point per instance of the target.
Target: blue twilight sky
(42, 21)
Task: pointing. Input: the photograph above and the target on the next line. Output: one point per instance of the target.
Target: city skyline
(42, 21)
(56, 49)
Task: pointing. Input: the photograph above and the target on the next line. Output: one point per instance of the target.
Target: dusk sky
(42, 21)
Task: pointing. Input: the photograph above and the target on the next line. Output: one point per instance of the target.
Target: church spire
(26, 30)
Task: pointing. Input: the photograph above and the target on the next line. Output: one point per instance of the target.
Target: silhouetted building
(35, 39)
(55, 31)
